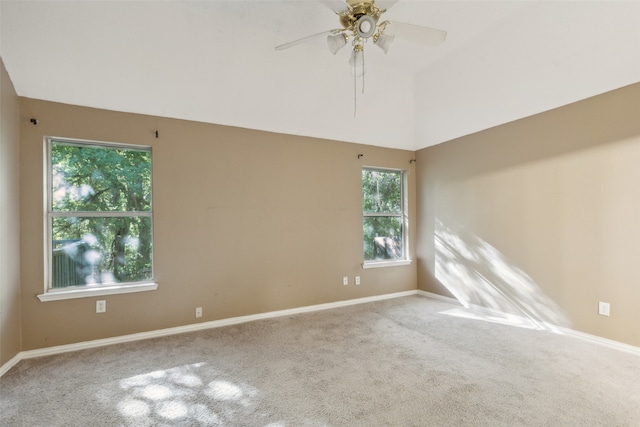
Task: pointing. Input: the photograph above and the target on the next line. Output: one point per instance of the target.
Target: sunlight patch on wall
(479, 276)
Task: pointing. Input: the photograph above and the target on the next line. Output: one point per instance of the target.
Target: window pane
(381, 191)
(90, 250)
(382, 238)
(94, 178)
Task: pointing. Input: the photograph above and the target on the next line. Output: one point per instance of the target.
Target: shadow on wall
(489, 287)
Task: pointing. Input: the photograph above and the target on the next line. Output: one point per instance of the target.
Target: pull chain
(355, 81)
(355, 91)
(363, 71)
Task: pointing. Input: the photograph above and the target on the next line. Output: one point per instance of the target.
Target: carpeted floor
(401, 362)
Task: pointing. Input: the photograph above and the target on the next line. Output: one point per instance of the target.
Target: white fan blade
(306, 39)
(385, 4)
(414, 33)
(338, 6)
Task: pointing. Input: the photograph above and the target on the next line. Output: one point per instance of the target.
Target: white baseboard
(49, 351)
(10, 364)
(439, 297)
(628, 348)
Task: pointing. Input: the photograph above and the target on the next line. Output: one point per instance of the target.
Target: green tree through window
(100, 215)
(383, 214)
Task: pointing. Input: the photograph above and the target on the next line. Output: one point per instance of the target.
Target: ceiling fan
(360, 23)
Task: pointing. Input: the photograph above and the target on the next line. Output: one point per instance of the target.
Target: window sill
(86, 292)
(378, 264)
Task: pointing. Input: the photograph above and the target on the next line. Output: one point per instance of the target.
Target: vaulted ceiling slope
(214, 62)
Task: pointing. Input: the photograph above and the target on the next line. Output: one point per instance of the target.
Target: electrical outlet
(357, 280)
(198, 312)
(101, 306)
(603, 308)
(345, 280)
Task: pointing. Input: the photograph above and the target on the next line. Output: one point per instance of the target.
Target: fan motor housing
(358, 8)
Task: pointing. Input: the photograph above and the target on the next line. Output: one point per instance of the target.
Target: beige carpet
(401, 362)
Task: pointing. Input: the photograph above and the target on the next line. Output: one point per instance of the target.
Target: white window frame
(84, 291)
(406, 259)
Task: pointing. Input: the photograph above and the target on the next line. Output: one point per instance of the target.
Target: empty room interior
(320, 213)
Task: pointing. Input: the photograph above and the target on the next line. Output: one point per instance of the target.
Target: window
(99, 217)
(383, 211)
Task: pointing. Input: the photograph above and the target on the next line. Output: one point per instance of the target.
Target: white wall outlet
(101, 306)
(603, 308)
(357, 280)
(198, 312)
(345, 280)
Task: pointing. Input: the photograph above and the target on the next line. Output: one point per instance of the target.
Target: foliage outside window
(383, 215)
(100, 218)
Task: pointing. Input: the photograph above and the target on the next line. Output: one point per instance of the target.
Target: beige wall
(540, 216)
(245, 222)
(9, 219)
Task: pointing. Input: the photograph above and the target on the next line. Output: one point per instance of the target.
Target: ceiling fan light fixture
(336, 42)
(357, 71)
(357, 60)
(383, 41)
(359, 20)
(366, 26)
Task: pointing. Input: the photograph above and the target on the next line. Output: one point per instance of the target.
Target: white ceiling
(214, 61)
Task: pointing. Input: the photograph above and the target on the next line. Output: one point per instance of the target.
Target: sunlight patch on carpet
(499, 318)
(223, 390)
(172, 410)
(181, 394)
(133, 408)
